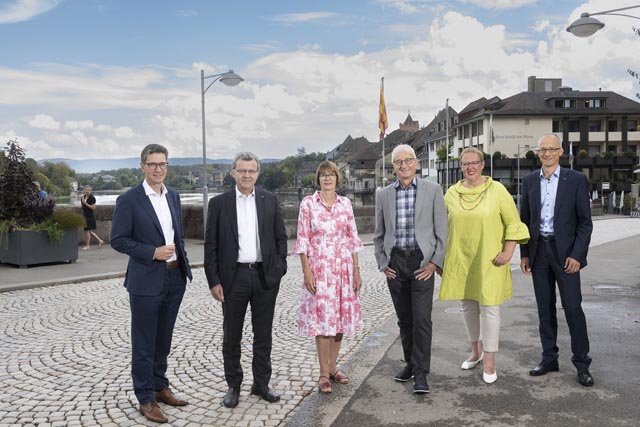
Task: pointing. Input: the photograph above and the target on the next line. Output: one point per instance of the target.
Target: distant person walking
(88, 202)
(147, 226)
(484, 229)
(555, 207)
(42, 195)
(409, 240)
(328, 245)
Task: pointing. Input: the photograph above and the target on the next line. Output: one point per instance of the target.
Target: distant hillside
(97, 165)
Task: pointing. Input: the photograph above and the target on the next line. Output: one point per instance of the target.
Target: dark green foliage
(497, 155)
(530, 155)
(17, 191)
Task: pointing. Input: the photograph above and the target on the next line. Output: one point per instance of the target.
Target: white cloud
(297, 18)
(124, 132)
(405, 7)
(262, 48)
(82, 124)
(23, 10)
(43, 121)
(541, 25)
(500, 4)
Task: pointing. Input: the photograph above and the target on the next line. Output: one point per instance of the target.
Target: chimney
(531, 84)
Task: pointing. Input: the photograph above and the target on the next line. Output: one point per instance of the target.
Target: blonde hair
(473, 150)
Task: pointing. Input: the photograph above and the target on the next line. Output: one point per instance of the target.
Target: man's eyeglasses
(548, 150)
(327, 175)
(154, 165)
(467, 164)
(408, 161)
(246, 171)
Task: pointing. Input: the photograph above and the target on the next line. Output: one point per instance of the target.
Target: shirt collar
(317, 197)
(239, 194)
(414, 183)
(555, 174)
(151, 192)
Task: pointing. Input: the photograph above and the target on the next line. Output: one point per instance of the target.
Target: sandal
(339, 377)
(324, 386)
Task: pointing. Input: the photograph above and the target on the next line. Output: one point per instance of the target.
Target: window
(594, 103)
(548, 87)
(556, 126)
(574, 125)
(474, 129)
(480, 128)
(565, 103)
(595, 126)
(612, 126)
(526, 122)
(632, 125)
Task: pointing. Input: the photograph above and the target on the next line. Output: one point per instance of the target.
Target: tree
(272, 178)
(442, 153)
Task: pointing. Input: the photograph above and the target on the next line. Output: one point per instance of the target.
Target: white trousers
(482, 323)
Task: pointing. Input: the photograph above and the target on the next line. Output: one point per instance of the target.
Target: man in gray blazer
(409, 240)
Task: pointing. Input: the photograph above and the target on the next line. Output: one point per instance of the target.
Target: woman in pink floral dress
(328, 245)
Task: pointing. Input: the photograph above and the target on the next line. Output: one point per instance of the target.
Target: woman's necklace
(325, 202)
(474, 199)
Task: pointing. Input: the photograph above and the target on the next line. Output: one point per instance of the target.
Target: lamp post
(230, 79)
(587, 26)
(524, 149)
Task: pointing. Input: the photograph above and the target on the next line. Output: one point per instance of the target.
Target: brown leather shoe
(152, 412)
(167, 396)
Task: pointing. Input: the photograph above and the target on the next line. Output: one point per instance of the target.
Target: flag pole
(382, 125)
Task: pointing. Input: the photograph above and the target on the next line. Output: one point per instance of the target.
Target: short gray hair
(153, 149)
(247, 157)
(402, 147)
(555, 135)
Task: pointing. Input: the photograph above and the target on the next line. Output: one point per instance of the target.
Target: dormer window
(564, 103)
(594, 103)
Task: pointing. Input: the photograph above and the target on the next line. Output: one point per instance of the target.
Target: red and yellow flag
(382, 119)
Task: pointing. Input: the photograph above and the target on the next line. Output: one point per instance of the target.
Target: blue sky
(101, 79)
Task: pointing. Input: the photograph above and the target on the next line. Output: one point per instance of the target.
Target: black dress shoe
(232, 398)
(543, 369)
(420, 384)
(585, 378)
(265, 393)
(405, 375)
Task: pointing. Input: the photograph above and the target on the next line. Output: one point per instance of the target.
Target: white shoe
(490, 378)
(470, 365)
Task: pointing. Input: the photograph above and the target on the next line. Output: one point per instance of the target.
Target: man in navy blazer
(555, 207)
(147, 226)
(245, 256)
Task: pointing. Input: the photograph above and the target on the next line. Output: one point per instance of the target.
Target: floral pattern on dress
(328, 236)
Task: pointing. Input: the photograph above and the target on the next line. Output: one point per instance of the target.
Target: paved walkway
(65, 350)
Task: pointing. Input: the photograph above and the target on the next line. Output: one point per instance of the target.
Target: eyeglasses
(467, 164)
(246, 171)
(154, 165)
(327, 175)
(548, 150)
(408, 161)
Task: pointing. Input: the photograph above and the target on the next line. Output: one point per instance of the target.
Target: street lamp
(524, 150)
(587, 26)
(230, 79)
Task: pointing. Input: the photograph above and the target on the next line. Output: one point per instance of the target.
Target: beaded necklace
(475, 199)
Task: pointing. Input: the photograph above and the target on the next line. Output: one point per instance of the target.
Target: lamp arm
(608, 12)
(217, 77)
(622, 14)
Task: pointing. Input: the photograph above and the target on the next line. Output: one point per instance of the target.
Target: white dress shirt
(548, 191)
(161, 207)
(248, 237)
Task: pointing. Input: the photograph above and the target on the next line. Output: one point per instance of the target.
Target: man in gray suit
(409, 240)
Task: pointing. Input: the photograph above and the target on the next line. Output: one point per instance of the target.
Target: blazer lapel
(562, 189)
(174, 215)
(391, 205)
(419, 196)
(148, 208)
(260, 212)
(537, 197)
(232, 213)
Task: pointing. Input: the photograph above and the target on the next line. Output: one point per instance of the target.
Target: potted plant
(31, 230)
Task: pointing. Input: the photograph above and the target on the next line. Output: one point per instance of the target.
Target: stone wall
(194, 226)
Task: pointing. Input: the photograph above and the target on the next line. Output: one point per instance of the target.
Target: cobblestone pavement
(65, 355)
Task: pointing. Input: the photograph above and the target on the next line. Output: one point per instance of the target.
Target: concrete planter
(26, 248)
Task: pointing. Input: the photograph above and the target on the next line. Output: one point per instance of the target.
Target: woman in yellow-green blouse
(484, 228)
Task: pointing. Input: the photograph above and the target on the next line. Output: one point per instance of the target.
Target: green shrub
(530, 155)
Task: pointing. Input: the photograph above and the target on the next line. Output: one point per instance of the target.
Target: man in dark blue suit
(245, 256)
(555, 207)
(147, 226)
